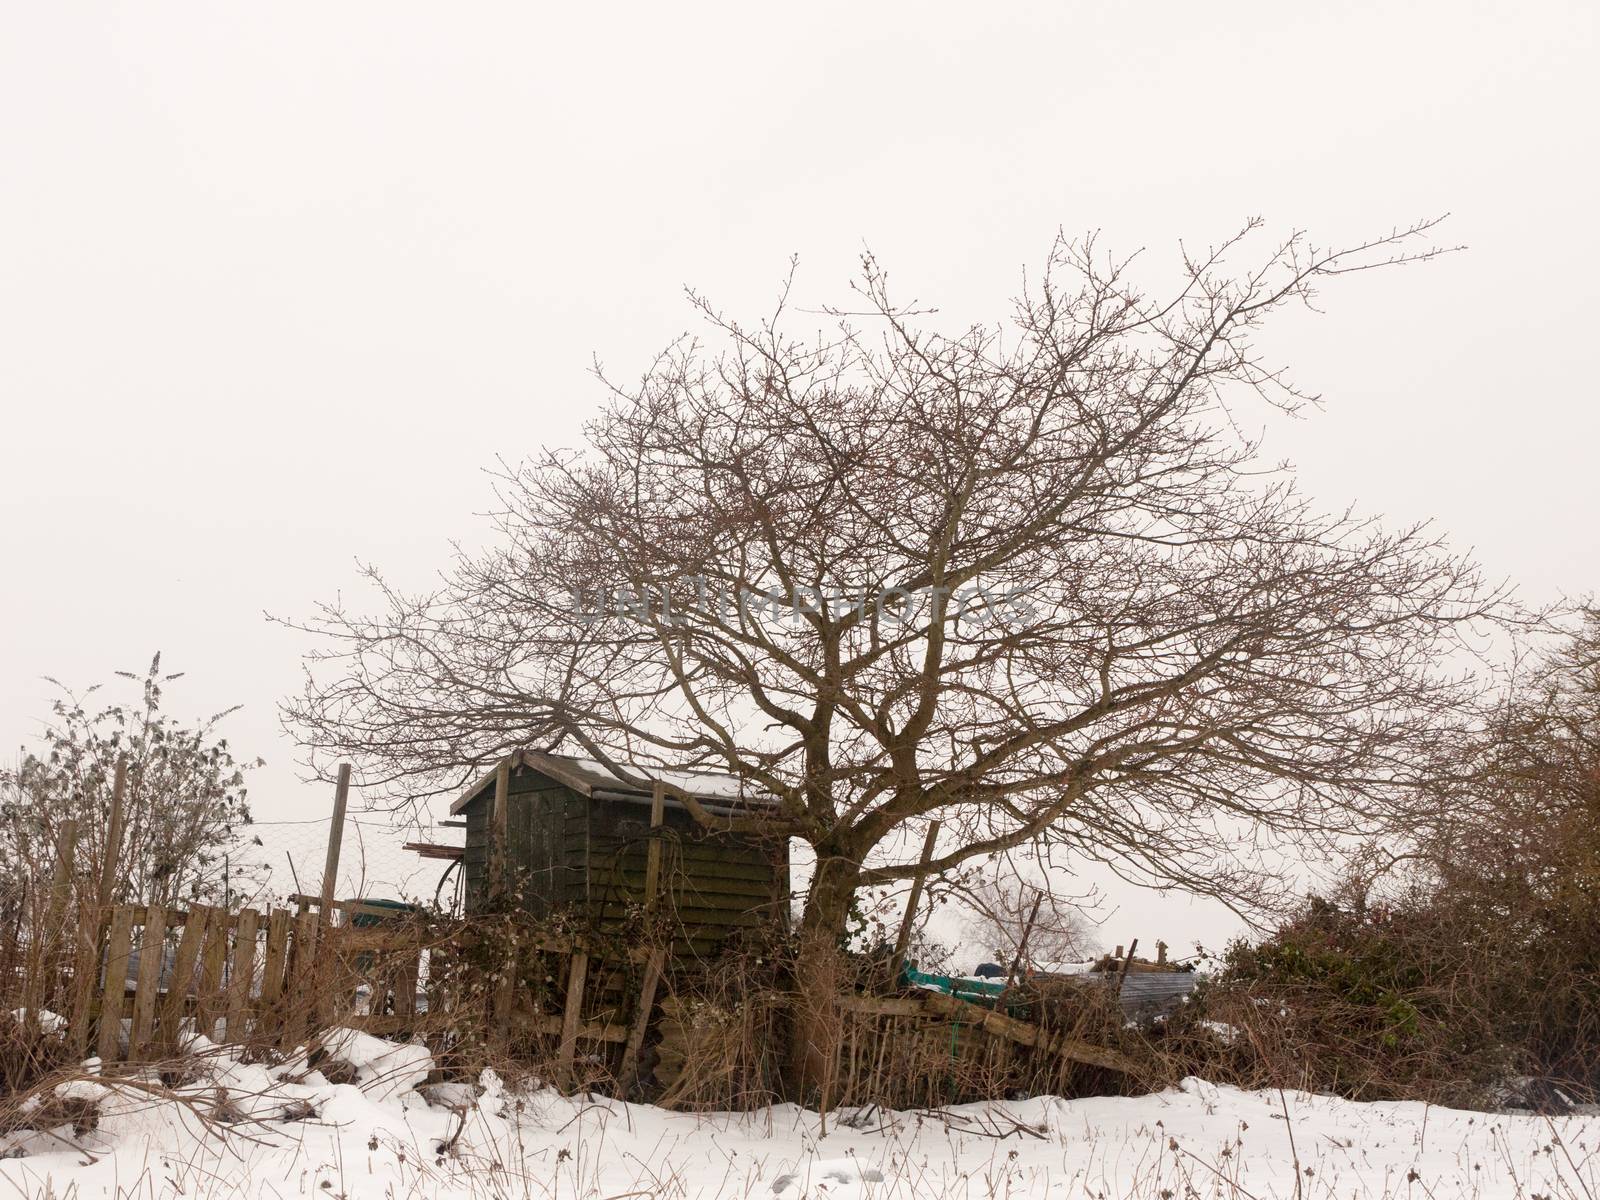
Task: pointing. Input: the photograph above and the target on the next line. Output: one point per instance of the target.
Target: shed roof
(588, 777)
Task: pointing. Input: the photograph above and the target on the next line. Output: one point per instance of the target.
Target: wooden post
(1022, 943)
(111, 852)
(571, 1016)
(1127, 962)
(119, 949)
(61, 891)
(504, 998)
(91, 924)
(906, 922)
(330, 869)
(503, 1002)
(499, 821)
(652, 861)
(45, 967)
(658, 956)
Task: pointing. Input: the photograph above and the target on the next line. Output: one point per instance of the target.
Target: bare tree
(1030, 579)
(1015, 918)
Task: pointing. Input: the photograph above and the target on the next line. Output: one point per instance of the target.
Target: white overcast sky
(278, 280)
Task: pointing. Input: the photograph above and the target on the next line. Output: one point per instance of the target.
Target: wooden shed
(578, 836)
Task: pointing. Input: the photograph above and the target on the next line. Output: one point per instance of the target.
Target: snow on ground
(295, 1133)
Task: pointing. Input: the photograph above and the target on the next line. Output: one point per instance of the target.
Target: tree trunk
(819, 971)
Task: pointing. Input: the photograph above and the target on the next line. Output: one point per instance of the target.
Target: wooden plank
(300, 984)
(588, 1031)
(646, 1003)
(119, 949)
(652, 865)
(182, 979)
(1025, 1034)
(499, 818)
(208, 1000)
(405, 982)
(275, 963)
(635, 850)
(349, 907)
(242, 975)
(85, 978)
(572, 1014)
(1123, 974)
(330, 867)
(906, 921)
(152, 949)
(696, 917)
(883, 1006)
(635, 883)
(61, 888)
(641, 1019)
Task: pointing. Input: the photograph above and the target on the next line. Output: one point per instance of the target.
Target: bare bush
(185, 796)
(1465, 962)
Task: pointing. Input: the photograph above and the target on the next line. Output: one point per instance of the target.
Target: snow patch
(383, 1070)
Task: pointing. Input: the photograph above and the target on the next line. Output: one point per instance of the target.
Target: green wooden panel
(474, 860)
(567, 850)
(699, 918)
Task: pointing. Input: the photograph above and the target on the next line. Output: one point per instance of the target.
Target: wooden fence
(137, 976)
(141, 978)
(133, 982)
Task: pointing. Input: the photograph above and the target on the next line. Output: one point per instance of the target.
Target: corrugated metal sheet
(1149, 994)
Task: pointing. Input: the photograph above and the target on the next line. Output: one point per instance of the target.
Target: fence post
(906, 922)
(330, 870)
(61, 886)
(112, 850)
(45, 953)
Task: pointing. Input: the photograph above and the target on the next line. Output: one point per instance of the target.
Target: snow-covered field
(293, 1133)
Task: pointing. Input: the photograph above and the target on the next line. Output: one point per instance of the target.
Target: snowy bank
(290, 1130)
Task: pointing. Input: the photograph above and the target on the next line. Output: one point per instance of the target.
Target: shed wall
(570, 852)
